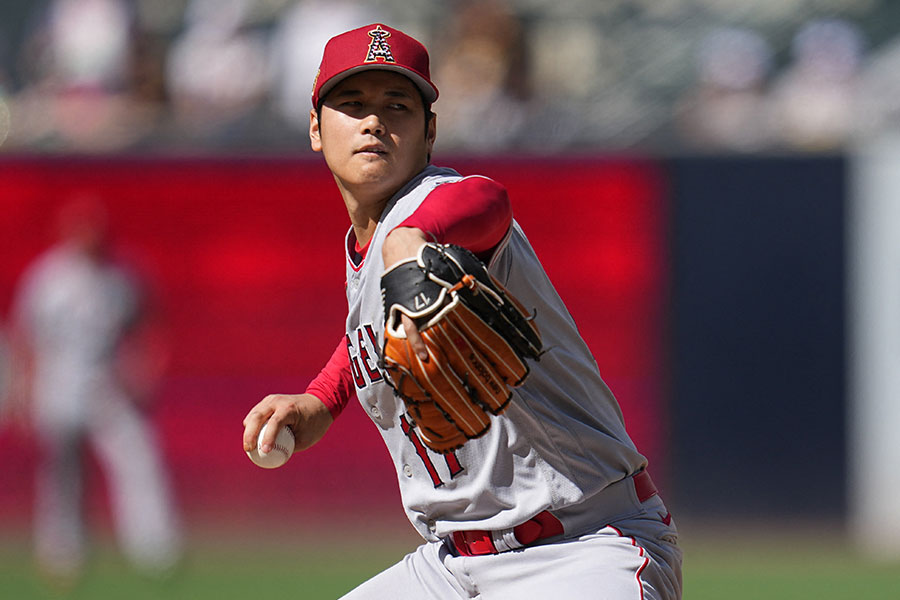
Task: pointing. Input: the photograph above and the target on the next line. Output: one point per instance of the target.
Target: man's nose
(372, 125)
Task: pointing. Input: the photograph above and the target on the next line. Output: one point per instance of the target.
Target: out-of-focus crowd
(516, 76)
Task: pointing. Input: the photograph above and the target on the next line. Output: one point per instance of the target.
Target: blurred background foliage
(517, 76)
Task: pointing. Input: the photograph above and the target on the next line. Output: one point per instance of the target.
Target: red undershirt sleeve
(474, 213)
(334, 383)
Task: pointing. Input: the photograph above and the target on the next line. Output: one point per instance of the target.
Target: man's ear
(431, 133)
(315, 135)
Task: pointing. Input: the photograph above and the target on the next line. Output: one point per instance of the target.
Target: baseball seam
(281, 449)
(276, 447)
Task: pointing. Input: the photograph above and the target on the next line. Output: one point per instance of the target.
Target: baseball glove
(477, 335)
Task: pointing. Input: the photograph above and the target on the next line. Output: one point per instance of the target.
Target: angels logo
(379, 49)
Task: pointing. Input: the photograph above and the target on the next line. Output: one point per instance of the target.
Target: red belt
(543, 525)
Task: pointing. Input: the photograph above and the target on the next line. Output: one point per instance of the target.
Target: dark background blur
(682, 167)
(521, 76)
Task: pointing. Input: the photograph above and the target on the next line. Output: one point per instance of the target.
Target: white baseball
(281, 452)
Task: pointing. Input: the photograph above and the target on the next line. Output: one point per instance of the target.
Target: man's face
(371, 133)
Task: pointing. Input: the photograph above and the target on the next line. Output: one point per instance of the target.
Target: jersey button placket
(407, 470)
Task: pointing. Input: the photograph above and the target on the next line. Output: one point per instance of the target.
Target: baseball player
(74, 308)
(549, 497)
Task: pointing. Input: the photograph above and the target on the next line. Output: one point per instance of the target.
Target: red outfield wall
(246, 257)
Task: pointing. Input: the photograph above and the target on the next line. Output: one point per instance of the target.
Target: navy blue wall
(757, 336)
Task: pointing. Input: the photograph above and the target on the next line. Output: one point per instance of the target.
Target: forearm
(334, 383)
(402, 243)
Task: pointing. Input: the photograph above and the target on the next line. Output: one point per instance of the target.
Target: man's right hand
(306, 415)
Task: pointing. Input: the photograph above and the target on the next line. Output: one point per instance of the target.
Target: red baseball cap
(375, 46)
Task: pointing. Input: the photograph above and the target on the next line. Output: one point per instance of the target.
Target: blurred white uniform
(74, 312)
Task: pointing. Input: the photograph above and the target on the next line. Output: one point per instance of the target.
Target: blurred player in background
(85, 372)
(552, 499)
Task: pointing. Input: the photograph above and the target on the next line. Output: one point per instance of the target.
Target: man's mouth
(374, 149)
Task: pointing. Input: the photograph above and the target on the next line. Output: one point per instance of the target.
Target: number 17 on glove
(477, 335)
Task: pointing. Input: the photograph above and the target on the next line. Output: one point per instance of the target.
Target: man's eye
(398, 106)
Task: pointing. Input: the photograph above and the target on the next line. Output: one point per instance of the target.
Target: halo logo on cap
(378, 47)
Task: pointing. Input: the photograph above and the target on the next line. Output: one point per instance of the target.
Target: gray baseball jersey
(559, 444)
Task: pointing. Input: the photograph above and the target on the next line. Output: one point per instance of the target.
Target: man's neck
(365, 209)
(364, 214)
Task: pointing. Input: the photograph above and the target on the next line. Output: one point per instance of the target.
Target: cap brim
(429, 93)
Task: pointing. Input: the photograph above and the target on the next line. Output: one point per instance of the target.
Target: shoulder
(477, 185)
(47, 265)
(39, 279)
(476, 192)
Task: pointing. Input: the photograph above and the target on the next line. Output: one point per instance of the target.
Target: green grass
(783, 565)
(721, 566)
(221, 572)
